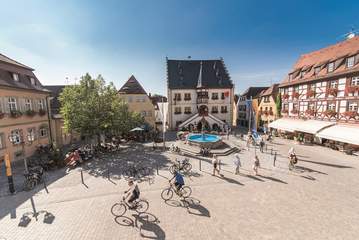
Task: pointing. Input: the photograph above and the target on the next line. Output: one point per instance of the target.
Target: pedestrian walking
(215, 163)
(256, 165)
(261, 145)
(249, 139)
(237, 163)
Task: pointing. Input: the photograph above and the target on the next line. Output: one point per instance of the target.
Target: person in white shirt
(237, 163)
(215, 163)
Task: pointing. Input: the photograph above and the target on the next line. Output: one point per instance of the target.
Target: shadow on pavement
(306, 169)
(253, 177)
(148, 226)
(195, 208)
(272, 179)
(326, 164)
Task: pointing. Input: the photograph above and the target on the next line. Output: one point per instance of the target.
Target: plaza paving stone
(318, 200)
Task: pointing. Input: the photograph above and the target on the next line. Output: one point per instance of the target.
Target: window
(223, 109)
(266, 109)
(353, 106)
(302, 73)
(270, 109)
(296, 89)
(2, 141)
(149, 113)
(28, 105)
(187, 96)
(295, 106)
(15, 136)
(143, 99)
(316, 71)
(350, 61)
(214, 109)
(286, 107)
(187, 110)
(355, 81)
(15, 77)
(12, 104)
(333, 84)
(129, 99)
(312, 86)
(32, 81)
(214, 96)
(311, 106)
(331, 106)
(331, 67)
(177, 97)
(31, 136)
(43, 132)
(222, 96)
(178, 110)
(41, 104)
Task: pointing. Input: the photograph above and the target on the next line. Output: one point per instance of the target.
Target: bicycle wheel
(187, 167)
(142, 206)
(118, 209)
(173, 168)
(167, 194)
(29, 185)
(186, 191)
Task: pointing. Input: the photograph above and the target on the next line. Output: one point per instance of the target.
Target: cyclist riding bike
(292, 156)
(133, 193)
(179, 181)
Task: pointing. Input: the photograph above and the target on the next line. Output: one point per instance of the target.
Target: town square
(140, 132)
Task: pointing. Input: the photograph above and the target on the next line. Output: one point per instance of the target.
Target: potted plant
(332, 91)
(352, 88)
(285, 96)
(30, 113)
(15, 113)
(310, 93)
(330, 113)
(296, 95)
(42, 112)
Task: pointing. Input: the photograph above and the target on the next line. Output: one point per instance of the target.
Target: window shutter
(22, 104)
(6, 104)
(35, 105)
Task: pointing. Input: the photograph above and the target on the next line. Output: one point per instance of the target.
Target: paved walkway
(318, 200)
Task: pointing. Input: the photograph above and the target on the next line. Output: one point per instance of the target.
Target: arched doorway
(203, 110)
(203, 124)
(215, 127)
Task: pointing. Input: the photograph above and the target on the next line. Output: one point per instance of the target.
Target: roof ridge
(14, 62)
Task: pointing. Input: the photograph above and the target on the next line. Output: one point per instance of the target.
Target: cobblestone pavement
(317, 200)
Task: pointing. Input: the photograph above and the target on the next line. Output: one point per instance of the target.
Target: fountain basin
(205, 140)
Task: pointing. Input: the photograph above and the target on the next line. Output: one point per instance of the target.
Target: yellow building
(267, 106)
(137, 99)
(24, 118)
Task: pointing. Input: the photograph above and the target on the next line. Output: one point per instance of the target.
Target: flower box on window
(215, 111)
(187, 112)
(351, 114)
(296, 95)
(177, 113)
(310, 112)
(30, 113)
(285, 111)
(352, 89)
(294, 111)
(15, 114)
(332, 91)
(330, 113)
(42, 112)
(310, 93)
(285, 96)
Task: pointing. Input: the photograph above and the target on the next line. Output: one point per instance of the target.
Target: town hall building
(200, 94)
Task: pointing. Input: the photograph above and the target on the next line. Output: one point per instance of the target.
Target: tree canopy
(93, 108)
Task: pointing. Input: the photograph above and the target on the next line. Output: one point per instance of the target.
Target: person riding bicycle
(292, 156)
(179, 181)
(133, 193)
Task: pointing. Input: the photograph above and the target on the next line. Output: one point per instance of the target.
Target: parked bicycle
(181, 166)
(119, 209)
(136, 172)
(33, 177)
(167, 193)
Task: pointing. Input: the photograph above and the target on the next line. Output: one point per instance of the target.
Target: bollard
(271, 151)
(266, 147)
(157, 169)
(108, 174)
(47, 191)
(82, 177)
(275, 158)
(200, 164)
(219, 164)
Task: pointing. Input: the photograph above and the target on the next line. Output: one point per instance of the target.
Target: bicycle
(119, 209)
(180, 165)
(167, 193)
(33, 177)
(139, 172)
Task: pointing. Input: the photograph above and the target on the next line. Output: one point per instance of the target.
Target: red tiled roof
(271, 90)
(335, 53)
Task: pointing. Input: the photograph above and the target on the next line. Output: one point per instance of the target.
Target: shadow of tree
(327, 164)
(272, 179)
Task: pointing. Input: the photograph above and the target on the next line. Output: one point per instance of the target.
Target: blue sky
(259, 40)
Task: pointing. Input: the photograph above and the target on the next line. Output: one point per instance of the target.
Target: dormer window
(330, 67)
(15, 77)
(350, 61)
(32, 81)
(302, 73)
(316, 71)
(290, 77)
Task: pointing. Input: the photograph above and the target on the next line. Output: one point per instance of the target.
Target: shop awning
(284, 124)
(312, 126)
(306, 126)
(341, 133)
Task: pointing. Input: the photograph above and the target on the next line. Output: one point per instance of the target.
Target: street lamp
(15, 139)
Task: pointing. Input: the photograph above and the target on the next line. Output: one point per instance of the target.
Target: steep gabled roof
(132, 86)
(271, 90)
(55, 93)
(190, 74)
(253, 92)
(336, 53)
(6, 59)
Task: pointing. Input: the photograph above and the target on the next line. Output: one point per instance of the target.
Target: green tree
(93, 108)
